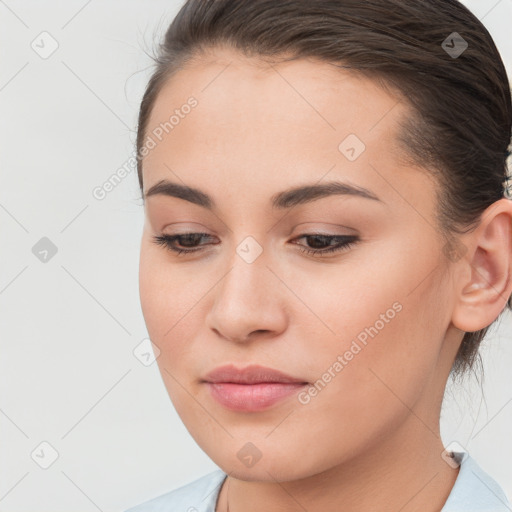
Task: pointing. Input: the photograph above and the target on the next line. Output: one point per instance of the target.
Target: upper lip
(252, 374)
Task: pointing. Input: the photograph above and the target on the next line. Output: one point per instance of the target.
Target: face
(364, 325)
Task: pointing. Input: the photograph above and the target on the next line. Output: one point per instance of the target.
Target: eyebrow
(282, 200)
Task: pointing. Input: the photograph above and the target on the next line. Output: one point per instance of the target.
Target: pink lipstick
(253, 388)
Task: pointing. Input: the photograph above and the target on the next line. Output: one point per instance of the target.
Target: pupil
(193, 237)
(319, 238)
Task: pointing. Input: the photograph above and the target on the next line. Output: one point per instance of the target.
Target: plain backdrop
(71, 317)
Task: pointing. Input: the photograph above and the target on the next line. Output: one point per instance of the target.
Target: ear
(485, 283)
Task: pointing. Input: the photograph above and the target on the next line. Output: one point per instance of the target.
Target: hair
(459, 126)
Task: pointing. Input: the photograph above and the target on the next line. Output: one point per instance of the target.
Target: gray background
(68, 373)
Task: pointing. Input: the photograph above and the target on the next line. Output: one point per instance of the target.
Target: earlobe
(483, 295)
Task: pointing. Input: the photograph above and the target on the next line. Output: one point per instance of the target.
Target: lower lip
(252, 397)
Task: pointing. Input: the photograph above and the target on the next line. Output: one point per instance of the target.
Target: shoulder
(475, 490)
(197, 496)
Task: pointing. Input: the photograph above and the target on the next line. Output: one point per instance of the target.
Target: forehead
(277, 123)
(230, 86)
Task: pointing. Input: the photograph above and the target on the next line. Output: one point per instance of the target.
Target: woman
(326, 241)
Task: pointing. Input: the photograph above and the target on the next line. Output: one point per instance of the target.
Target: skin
(370, 438)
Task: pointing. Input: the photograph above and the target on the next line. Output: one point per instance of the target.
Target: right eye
(185, 239)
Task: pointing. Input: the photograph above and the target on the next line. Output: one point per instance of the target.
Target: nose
(249, 303)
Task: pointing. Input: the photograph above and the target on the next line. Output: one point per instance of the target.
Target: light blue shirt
(474, 491)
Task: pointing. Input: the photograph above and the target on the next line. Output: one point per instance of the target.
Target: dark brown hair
(460, 125)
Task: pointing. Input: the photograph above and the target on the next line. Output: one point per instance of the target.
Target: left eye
(343, 242)
(191, 239)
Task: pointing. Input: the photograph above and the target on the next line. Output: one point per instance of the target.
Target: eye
(342, 242)
(190, 240)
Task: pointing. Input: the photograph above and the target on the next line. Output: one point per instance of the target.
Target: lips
(251, 389)
(253, 374)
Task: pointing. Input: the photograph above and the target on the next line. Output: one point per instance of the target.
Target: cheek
(171, 300)
(168, 326)
(387, 329)
(164, 288)
(380, 359)
(151, 294)
(160, 297)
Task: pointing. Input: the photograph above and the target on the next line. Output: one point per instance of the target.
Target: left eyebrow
(308, 193)
(282, 200)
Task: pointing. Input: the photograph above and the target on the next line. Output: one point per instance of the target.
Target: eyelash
(349, 240)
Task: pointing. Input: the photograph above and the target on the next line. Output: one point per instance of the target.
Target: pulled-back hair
(460, 126)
